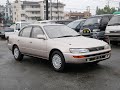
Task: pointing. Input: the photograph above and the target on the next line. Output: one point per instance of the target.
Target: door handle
(30, 42)
(18, 40)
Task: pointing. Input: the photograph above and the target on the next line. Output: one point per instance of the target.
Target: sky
(81, 5)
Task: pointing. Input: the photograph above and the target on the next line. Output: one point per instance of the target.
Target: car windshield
(92, 21)
(74, 24)
(59, 31)
(114, 21)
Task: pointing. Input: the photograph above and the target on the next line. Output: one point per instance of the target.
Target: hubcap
(56, 61)
(16, 52)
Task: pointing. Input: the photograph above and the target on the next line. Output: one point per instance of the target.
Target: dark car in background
(95, 26)
(76, 25)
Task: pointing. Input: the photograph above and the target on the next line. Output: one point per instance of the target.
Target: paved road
(36, 74)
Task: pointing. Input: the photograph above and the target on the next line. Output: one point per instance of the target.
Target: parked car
(57, 43)
(5, 30)
(16, 28)
(65, 22)
(113, 29)
(45, 22)
(95, 26)
(76, 25)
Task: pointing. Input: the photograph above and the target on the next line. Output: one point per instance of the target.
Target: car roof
(22, 22)
(102, 15)
(80, 20)
(47, 24)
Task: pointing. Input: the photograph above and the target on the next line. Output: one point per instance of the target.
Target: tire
(17, 54)
(58, 61)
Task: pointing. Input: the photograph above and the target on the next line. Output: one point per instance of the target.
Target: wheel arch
(55, 49)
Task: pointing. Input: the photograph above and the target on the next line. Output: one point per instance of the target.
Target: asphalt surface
(37, 74)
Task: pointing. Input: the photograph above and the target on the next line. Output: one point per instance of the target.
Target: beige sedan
(57, 43)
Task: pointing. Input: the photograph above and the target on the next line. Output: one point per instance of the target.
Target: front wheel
(17, 54)
(58, 61)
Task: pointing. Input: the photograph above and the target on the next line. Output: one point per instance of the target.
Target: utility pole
(46, 9)
(119, 7)
(58, 9)
(88, 10)
(51, 9)
(108, 3)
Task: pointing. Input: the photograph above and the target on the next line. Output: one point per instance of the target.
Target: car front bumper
(76, 58)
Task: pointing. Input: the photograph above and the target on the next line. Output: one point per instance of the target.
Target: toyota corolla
(57, 43)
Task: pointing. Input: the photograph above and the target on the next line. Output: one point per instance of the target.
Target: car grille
(97, 54)
(96, 49)
(114, 31)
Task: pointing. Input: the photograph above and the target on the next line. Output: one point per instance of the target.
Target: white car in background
(46, 22)
(113, 29)
(16, 28)
(57, 43)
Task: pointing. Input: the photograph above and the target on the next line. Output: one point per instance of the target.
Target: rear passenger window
(26, 32)
(36, 31)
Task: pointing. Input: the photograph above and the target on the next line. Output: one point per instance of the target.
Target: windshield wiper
(113, 24)
(66, 36)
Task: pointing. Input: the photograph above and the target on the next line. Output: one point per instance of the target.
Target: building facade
(8, 12)
(2, 9)
(32, 11)
(77, 15)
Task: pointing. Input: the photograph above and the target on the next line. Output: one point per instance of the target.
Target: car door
(24, 40)
(38, 46)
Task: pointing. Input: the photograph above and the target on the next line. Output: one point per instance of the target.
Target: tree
(105, 10)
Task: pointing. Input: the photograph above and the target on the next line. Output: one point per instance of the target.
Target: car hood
(80, 42)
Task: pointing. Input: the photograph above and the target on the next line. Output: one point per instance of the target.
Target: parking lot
(36, 74)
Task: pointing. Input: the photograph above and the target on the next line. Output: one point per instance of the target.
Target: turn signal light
(78, 56)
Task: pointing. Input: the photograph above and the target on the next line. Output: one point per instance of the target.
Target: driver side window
(25, 32)
(36, 31)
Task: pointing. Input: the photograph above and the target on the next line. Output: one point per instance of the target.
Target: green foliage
(105, 10)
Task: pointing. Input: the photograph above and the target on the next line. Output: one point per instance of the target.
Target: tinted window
(26, 32)
(114, 21)
(36, 31)
(74, 24)
(92, 21)
(59, 31)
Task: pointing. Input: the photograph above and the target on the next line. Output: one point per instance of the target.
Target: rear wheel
(17, 54)
(58, 61)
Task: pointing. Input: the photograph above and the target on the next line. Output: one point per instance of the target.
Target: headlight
(107, 46)
(96, 30)
(74, 50)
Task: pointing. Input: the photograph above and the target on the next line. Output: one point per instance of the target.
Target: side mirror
(41, 36)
